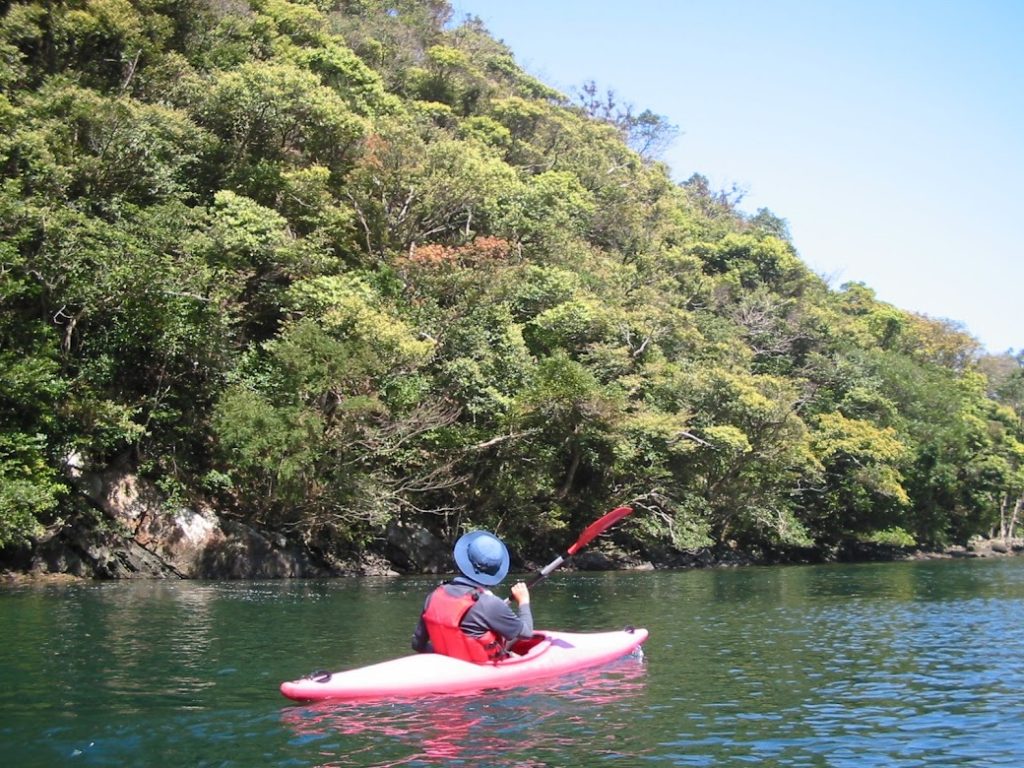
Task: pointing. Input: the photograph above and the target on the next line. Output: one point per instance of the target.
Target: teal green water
(899, 664)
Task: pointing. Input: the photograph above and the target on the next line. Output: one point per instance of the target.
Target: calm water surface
(897, 665)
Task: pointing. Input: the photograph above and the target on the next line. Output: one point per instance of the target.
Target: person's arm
(420, 640)
(420, 637)
(526, 619)
(493, 613)
(521, 594)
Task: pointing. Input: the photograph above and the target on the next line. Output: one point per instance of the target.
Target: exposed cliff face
(136, 533)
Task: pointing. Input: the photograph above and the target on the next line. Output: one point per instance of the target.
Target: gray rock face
(97, 554)
(415, 549)
(138, 535)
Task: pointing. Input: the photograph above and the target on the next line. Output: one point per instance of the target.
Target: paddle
(593, 530)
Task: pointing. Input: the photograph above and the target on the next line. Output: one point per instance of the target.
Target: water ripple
(904, 665)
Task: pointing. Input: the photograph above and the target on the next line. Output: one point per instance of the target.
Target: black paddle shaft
(593, 530)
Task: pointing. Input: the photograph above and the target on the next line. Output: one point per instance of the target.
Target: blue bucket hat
(482, 557)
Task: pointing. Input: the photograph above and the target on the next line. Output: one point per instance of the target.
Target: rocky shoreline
(238, 551)
(133, 534)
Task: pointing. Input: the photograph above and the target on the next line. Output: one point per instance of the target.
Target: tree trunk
(570, 476)
(1016, 514)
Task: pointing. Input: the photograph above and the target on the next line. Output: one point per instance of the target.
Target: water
(896, 665)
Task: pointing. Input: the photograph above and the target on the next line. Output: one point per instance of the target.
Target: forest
(324, 265)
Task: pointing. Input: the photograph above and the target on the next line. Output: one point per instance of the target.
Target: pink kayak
(546, 654)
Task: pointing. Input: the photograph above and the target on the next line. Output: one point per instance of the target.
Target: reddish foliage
(430, 254)
(483, 250)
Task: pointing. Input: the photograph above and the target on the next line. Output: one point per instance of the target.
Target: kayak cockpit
(526, 649)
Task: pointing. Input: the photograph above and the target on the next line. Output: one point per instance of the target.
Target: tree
(648, 134)
(322, 433)
(265, 112)
(407, 191)
(862, 474)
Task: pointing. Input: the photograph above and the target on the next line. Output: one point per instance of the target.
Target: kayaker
(464, 619)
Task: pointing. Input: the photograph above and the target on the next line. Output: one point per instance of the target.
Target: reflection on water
(507, 729)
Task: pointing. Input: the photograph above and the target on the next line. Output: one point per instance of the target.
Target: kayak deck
(546, 654)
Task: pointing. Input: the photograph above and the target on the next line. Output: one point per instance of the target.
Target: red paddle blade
(598, 527)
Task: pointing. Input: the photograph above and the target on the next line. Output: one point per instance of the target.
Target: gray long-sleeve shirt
(488, 613)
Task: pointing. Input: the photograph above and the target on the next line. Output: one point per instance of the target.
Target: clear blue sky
(889, 134)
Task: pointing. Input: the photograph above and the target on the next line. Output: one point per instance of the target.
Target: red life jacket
(442, 617)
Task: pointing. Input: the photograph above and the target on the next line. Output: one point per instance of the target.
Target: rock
(179, 538)
(242, 552)
(593, 561)
(132, 533)
(414, 549)
(92, 553)
(374, 565)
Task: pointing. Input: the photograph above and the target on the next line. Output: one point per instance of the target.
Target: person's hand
(521, 593)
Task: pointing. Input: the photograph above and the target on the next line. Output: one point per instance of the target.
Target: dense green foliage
(333, 264)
